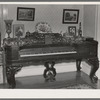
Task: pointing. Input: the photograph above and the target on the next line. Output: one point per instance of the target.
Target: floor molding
(38, 70)
(60, 68)
(98, 72)
(1, 75)
(86, 68)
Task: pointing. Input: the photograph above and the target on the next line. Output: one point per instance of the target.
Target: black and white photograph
(18, 30)
(25, 14)
(72, 30)
(70, 16)
(46, 53)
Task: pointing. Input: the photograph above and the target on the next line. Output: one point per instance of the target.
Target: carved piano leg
(10, 77)
(78, 63)
(50, 71)
(95, 65)
(10, 72)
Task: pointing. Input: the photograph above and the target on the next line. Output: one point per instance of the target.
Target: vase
(8, 24)
(80, 30)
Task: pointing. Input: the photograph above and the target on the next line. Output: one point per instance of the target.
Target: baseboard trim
(38, 70)
(98, 71)
(1, 75)
(87, 68)
(60, 68)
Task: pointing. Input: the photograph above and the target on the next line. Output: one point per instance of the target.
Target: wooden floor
(38, 82)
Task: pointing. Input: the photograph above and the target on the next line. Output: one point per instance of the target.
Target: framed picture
(70, 16)
(25, 14)
(72, 30)
(18, 30)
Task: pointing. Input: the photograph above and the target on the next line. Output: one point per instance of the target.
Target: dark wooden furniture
(48, 49)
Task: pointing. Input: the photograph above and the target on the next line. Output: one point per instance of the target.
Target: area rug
(61, 85)
(78, 86)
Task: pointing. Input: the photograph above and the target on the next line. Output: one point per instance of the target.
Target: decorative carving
(94, 62)
(50, 71)
(11, 71)
(10, 42)
(78, 63)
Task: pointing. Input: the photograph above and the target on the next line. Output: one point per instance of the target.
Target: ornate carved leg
(10, 77)
(95, 65)
(78, 63)
(50, 72)
(10, 72)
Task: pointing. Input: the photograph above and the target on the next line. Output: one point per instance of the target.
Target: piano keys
(47, 51)
(46, 54)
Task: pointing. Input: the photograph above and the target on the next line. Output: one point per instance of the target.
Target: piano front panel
(42, 59)
(94, 50)
(87, 49)
(12, 52)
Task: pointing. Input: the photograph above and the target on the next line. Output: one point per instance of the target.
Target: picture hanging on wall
(72, 30)
(18, 30)
(70, 16)
(25, 14)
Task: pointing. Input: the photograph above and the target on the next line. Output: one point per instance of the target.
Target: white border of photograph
(49, 93)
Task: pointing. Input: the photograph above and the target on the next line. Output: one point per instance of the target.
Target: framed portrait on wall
(25, 14)
(72, 30)
(70, 16)
(18, 30)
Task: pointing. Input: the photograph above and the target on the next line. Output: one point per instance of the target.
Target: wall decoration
(70, 16)
(25, 14)
(18, 30)
(72, 30)
(43, 27)
(8, 24)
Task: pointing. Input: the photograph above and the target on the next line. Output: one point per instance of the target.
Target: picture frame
(70, 16)
(72, 30)
(18, 30)
(25, 14)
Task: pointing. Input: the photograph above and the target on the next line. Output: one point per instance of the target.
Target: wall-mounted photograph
(70, 16)
(25, 14)
(18, 30)
(72, 30)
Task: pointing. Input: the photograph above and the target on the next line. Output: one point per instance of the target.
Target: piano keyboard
(46, 54)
